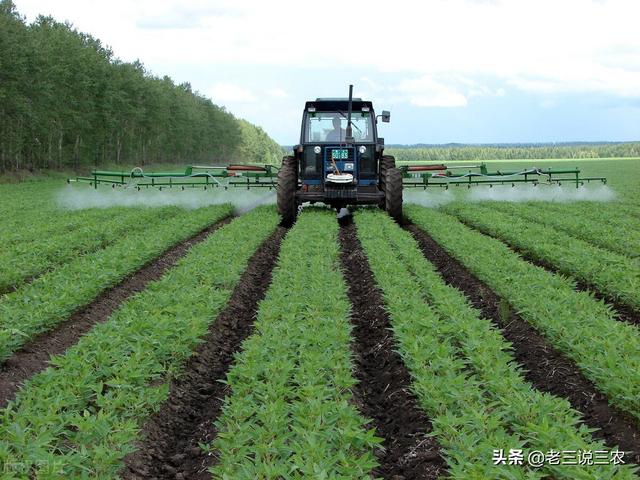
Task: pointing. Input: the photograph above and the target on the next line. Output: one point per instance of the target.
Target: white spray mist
(431, 198)
(542, 193)
(79, 198)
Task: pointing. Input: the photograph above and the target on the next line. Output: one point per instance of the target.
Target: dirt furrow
(169, 446)
(544, 367)
(622, 311)
(34, 356)
(383, 391)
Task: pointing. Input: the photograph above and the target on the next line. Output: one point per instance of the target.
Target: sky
(467, 71)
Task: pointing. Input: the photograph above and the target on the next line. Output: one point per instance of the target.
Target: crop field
(495, 334)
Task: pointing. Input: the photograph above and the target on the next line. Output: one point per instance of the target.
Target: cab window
(322, 127)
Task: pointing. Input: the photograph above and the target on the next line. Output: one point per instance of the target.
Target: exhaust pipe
(349, 132)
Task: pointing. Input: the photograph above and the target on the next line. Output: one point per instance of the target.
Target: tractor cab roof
(333, 104)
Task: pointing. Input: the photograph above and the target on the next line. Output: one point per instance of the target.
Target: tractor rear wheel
(386, 162)
(393, 194)
(287, 185)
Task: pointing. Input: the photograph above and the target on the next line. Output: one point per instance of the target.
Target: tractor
(340, 160)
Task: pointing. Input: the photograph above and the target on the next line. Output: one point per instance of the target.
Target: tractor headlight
(362, 149)
(317, 149)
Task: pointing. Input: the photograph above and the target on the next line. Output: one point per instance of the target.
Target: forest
(66, 102)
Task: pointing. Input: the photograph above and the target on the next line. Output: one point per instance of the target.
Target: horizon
(508, 73)
(575, 143)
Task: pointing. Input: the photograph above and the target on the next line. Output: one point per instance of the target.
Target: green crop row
(30, 227)
(631, 207)
(623, 239)
(79, 418)
(290, 414)
(22, 261)
(606, 350)
(614, 275)
(42, 304)
(446, 335)
(24, 200)
(613, 214)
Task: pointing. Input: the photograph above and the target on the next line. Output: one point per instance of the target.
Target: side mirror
(386, 116)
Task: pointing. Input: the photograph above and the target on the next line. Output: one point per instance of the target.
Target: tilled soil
(169, 446)
(623, 312)
(545, 367)
(383, 391)
(34, 356)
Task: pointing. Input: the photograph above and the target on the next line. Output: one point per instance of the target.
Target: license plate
(339, 154)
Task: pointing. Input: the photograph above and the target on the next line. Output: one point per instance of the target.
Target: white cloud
(548, 103)
(585, 79)
(426, 92)
(225, 93)
(277, 93)
(520, 41)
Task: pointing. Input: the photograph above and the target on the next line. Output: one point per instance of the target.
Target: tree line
(457, 152)
(67, 102)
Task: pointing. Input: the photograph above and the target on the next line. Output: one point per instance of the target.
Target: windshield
(332, 126)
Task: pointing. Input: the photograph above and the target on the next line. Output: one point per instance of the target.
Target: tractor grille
(341, 192)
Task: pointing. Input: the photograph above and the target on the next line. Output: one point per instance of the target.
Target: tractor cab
(329, 155)
(339, 160)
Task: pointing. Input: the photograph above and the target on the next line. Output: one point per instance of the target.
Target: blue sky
(470, 71)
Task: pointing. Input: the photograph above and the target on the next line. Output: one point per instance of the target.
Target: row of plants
(612, 274)
(26, 260)
(80, 417)
(26, 197)
(574, 322)
(631, 206)
(463, 370)
(31, 209)
(623, 238)
(52, 297)
(291, 412)
(616, 215)
(22, 227)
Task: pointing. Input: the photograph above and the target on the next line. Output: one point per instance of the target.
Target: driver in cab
(338, 133)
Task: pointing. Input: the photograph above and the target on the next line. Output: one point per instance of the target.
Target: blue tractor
(340, 160)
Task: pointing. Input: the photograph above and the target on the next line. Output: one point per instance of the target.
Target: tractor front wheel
(393, 194)
(287, 185)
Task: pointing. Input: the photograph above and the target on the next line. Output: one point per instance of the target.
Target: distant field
(526, 160)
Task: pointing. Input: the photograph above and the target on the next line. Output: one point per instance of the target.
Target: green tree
(65, 101)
